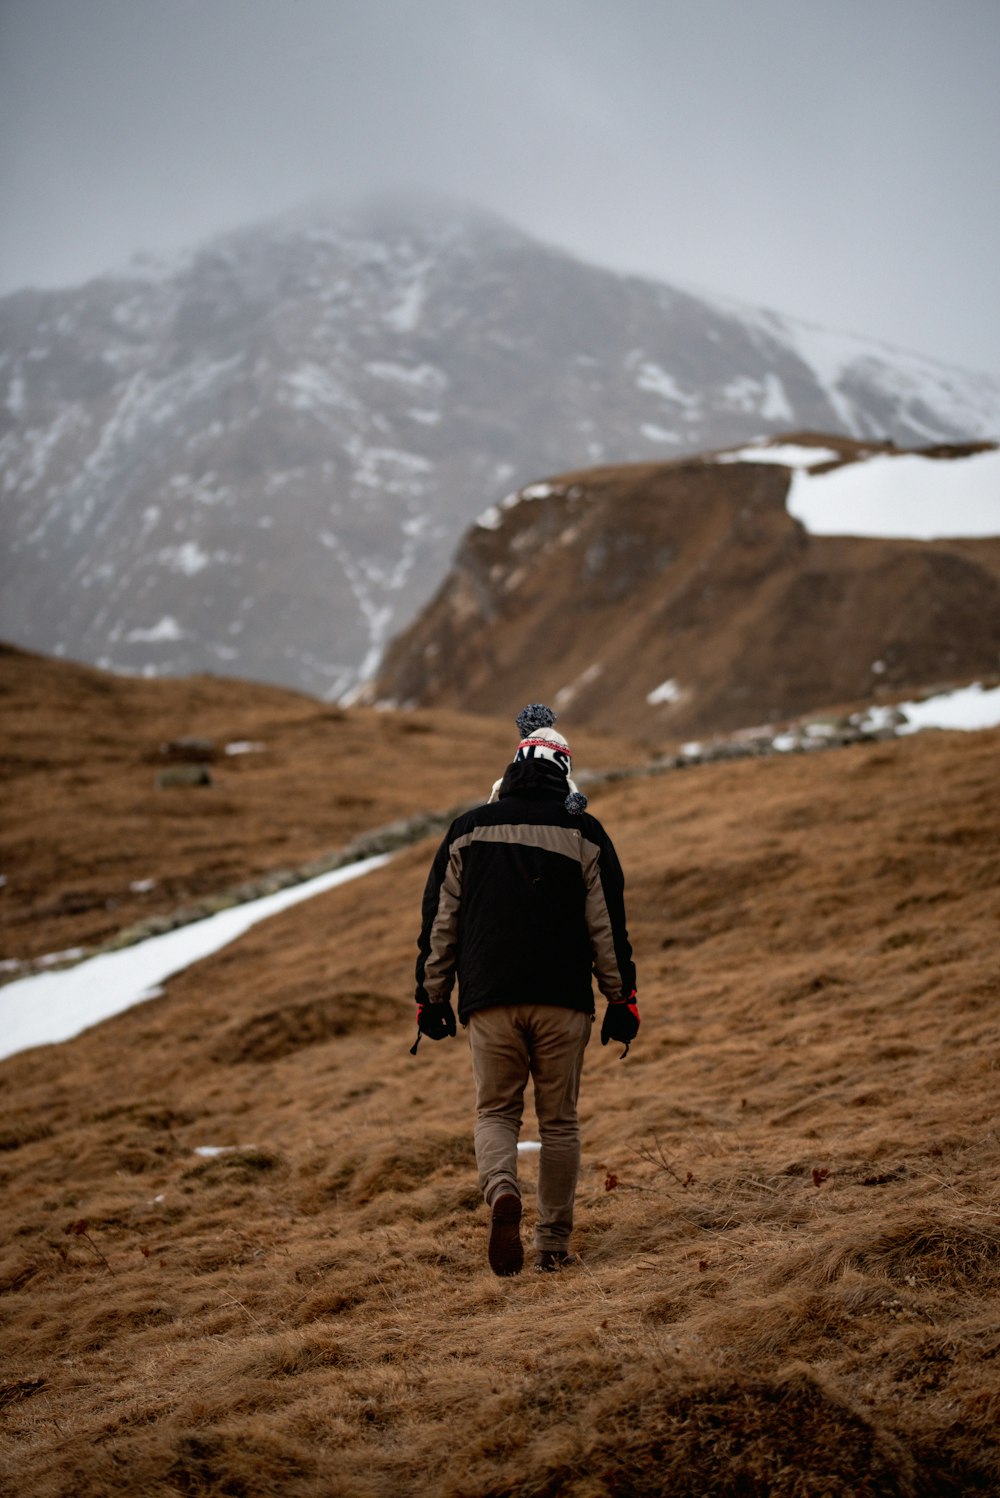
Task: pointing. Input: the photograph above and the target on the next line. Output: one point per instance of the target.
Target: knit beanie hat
(539, 740)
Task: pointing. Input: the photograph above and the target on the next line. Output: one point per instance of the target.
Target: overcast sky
(835, 159)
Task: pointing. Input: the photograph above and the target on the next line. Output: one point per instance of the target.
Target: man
(524, 905)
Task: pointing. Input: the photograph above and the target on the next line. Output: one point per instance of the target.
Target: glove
(435, 1020)
(621, 1022)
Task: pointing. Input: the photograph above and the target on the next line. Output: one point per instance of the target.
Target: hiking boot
(505, 1252)
(550, 1260)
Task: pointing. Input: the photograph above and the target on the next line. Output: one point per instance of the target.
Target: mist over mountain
(258, 459)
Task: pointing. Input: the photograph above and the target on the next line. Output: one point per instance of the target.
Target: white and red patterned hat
(539, 740)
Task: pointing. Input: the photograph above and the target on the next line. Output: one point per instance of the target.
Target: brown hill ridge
(691, 577)
(92, 843)
(788, 1227)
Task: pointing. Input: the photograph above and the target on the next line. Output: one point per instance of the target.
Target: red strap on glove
(621, 1022)
(435, 1020)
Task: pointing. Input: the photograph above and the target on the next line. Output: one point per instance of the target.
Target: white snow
(311, 387)
(775, 406)
(423, 376)
(529, 1146)
(50, 1007)
(657, 434)
(166, 629)
(659, 381)
(566, 694)
(405, 315)
(187, 558)
(785, 454)
(490, 519)
(969, 708)
(244, 746)
(905, 497)
(15, 396)
(667, 691)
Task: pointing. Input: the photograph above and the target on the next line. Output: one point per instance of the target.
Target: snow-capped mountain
(258, 459)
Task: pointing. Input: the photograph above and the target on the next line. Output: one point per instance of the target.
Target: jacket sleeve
(611, 950)
(437, 954)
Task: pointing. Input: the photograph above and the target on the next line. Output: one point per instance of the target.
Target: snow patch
(786, 454)
(15, 396)
(166, 629)
(968, 709)
(906, 497)
(310, 387)
(667, 691)
(658, 381)
(49, 1007)
(423, 376)
(566, 694)
(776, 406)
(404, 317)
(491, 519)
(187, 558)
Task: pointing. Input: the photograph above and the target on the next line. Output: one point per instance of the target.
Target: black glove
(434, 1020)
(621, 1022)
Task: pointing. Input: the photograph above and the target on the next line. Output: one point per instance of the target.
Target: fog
(837, 162)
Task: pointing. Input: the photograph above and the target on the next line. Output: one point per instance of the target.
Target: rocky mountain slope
(256, 460)
(683, 599)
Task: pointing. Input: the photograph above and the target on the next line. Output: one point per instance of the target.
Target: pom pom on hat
(533, 717)
(575, 803)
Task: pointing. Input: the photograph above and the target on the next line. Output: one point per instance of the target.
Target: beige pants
(509, 1043)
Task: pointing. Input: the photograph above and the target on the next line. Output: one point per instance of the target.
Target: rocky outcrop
(682, 599)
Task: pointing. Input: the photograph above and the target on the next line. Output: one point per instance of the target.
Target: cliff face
(683, 598)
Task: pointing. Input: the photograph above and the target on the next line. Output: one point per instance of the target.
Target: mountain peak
(257, 458)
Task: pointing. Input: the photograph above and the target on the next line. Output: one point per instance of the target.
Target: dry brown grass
(788, 1222)
(84, 820)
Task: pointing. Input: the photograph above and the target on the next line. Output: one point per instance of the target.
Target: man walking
(524, 904)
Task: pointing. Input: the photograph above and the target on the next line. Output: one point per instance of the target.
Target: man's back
(524, 900)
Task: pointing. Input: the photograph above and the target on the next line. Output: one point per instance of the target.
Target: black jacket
(525, 903)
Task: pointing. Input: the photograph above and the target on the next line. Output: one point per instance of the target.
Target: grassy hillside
(788, 1218)
(91, 843)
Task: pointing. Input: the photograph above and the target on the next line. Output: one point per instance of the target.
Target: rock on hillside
(682, 598)
(257, 459)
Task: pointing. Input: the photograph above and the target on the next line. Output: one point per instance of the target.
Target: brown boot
(505, 1252)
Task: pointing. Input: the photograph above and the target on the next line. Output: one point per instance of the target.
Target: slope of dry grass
(84, 820)
(788, 1218)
